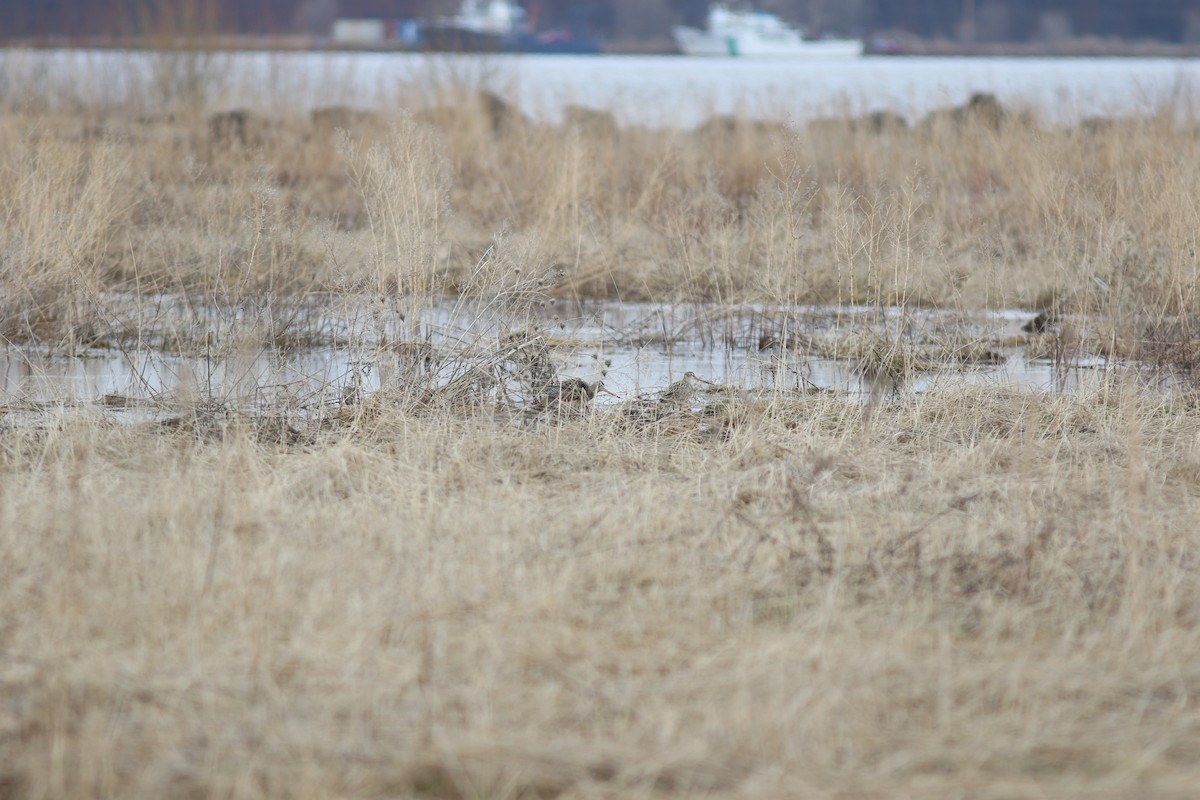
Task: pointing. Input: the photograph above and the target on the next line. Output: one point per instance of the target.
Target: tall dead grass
(64, 204)
(971, 209)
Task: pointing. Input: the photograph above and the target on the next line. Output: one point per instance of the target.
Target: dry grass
(1000, 602)
(979, 593)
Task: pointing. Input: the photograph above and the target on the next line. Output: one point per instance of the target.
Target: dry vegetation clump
(64, 204)
(982, 592)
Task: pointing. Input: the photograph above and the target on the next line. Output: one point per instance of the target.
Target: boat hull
(696, 42)
(554, 44)
(452, 39)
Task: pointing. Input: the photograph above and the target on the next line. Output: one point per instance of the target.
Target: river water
(647, 90)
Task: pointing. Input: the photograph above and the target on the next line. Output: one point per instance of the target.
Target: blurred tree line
(983, 20)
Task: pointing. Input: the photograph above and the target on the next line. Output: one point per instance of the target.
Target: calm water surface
(638, 349)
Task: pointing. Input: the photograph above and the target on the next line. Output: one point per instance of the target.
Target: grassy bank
(437, 590)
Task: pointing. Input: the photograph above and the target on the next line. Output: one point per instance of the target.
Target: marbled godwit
(1041, 323)
(683, 390)
(579, 391)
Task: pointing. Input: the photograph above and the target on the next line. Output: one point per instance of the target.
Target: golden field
(977, 592)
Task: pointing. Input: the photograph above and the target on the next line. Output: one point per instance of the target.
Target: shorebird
(577, 390)
(683, 390)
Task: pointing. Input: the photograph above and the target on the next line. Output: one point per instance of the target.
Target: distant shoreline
(1084, 47)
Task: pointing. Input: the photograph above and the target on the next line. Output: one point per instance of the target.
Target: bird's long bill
(698, 378)
(606, 391)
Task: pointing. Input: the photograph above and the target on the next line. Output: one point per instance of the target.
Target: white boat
(757, 33)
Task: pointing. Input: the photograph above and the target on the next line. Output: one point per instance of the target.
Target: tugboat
(497, 26)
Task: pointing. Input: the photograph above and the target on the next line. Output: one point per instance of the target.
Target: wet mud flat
(296, 364)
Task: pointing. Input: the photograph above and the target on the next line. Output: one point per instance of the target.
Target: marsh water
(269, 359)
